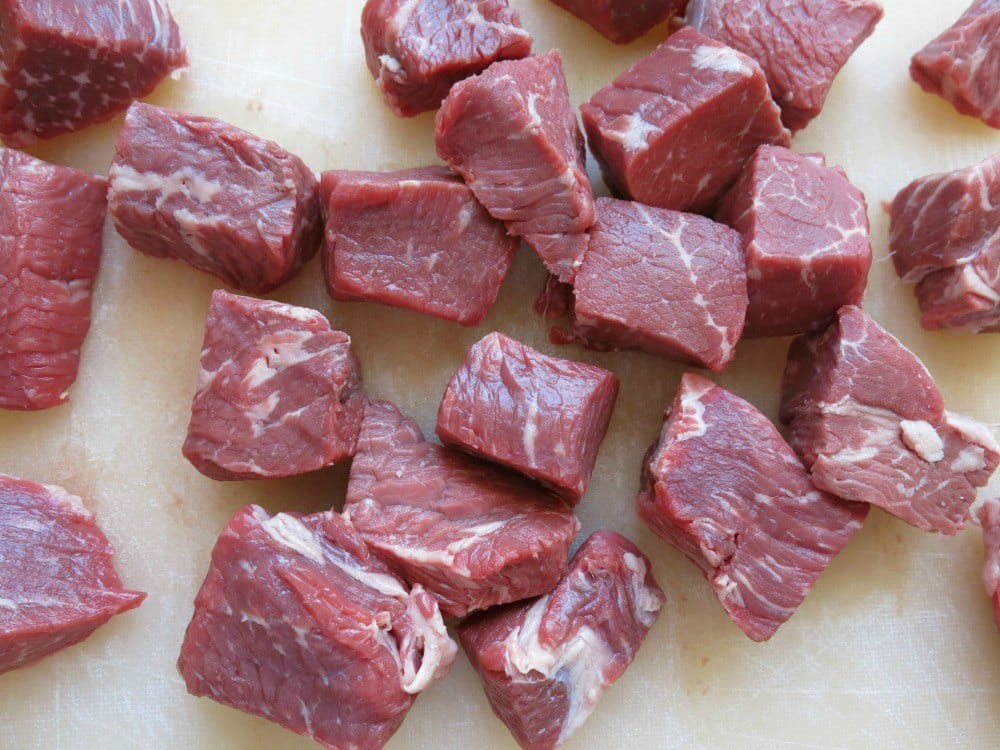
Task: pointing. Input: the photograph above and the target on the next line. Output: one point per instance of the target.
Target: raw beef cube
(676, 128)
(546, 663)
(512, 134)
(800, 44)
(416, 239)
(542, 416)
(664, 282)
(945, 238)
(57, 582)
(417, 49)
(51, 226)
(297, 622)
(65, 65)
(868, 420)
(723, 486)
(805, 236)
(199, 190)
(989, 517)
(963, 63)
(279, 392)
(622, 21)
(471, 533)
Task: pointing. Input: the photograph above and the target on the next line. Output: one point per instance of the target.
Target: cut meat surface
(416, 239)
(545, 664)
(868, 420)
(204, 192)
(945, 239)
(801, 44)
(298, 623)
(989, 517)
(805, 236)
(67, 65)
(417, 49)
(542, 416)
(622, 21)
(51, 226)
(723, 487)
(676, 128)
(472, 534)
(279, 392)
(512, 134)
(963, 63)
(57, 583)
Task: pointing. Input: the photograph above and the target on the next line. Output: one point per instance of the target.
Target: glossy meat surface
(622, 21)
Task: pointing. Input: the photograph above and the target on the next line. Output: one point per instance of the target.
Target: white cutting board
(895, 646)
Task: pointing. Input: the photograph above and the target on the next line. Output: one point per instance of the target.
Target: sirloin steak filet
(871, 426)
(989, 517)
(723, 486)
(472, 534)
(199, 190)
(546, 663)
(279, 392)
(51, 228)
(298, 623)
(622, 21)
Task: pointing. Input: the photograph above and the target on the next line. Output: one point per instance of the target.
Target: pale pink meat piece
(622, 21)
(989, 518)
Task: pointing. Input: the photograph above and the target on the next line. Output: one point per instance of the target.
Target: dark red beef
(805, 236)
(723, 486)
(417, 49)
(989, 517)
(202, 191)
(622, 21)
(66, 64)
(51, 228)
(870, 424)
(279, 392)
(542, 416)
(416, 239)
(545, 664)
(298, 623)
(57, 581)
(471, 533)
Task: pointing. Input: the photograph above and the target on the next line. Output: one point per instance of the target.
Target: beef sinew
(989, 517)
(622, 21)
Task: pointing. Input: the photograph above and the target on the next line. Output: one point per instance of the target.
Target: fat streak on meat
(622, 21)
(989, 518)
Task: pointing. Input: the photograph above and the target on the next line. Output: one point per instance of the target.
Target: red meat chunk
(723, 486)
(279, 392)
(546, 663)
(622, 21)
(512, 134)
(471, 533)
(417, 49)
(199, 190)
(542, 416)
(989, 517)
(800, 44)
(65, 65)
(805, 236)
(963, 63)
(298, 623)
(51, 226)
(945, 238)
(57, 579)
(415, 239)
(869, 422)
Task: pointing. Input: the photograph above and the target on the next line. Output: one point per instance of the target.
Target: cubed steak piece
(417, 49)
(472, 534)
(298, 623)
(676, 128)
(546, 663)
(945, 238)
(542, 416)
(65, 65)
(57, 583)
(205, 192)
(805, 236)
(416, 239)
(989, 517)
(800, 44)
(512, 134)
(963, 63)
(279, 392)
(622, 21)
(870, 424)
(51, 227)
(723, 486)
